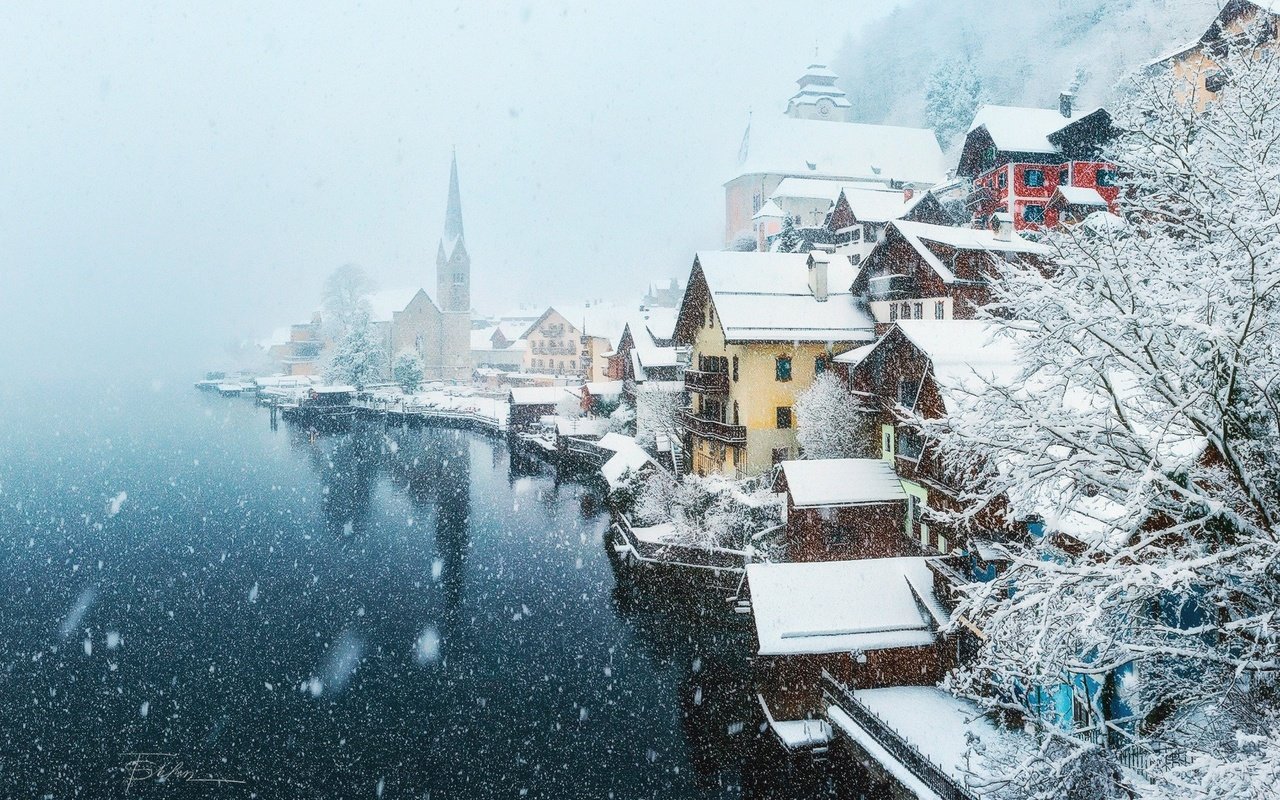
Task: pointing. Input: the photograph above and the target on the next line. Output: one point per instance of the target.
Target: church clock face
(824, 107)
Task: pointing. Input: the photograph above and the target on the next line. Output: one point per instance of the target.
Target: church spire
(453, 212)
(453, 264)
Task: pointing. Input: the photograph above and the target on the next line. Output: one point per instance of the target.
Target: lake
(381, 613)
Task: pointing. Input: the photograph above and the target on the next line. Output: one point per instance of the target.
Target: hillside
(1027, 58)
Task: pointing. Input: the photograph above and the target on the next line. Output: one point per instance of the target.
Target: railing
(719, 559)
(837, 694)
(1148, 758)
(706, 382)
(713, 429)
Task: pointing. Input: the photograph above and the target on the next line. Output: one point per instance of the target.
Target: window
(1063, 177)
(735, 369)
(906, 311)
(893, 312)
(1033, 214)
(989, 155)
(784, 417)
(573, 365)
(735, 415)
(781, 454)
(737, 456)
(919, 309)
(1000, 180)
(782, 371)
(1108, 177)
(939, 309)
(907, 392)
(910, 444)
(1033, 177)
(1215, 80)
(819, 365)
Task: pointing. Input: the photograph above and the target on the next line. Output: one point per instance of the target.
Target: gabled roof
(766, 297)
(964, 355)
(769, 209)
(919, 234)
(539, 395)
(841, 481)
(387, 302)
(1020, 129)
(848, 150)
(844, 606)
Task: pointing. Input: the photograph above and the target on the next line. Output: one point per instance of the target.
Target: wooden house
(934, 272)
(1017, 157)
(926, 367)
(844, 508)
(868, 623)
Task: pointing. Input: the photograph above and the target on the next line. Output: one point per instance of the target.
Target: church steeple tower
(453, 264)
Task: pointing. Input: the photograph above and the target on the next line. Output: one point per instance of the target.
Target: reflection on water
(410, 611)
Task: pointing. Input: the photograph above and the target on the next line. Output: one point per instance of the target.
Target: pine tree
(789, 239)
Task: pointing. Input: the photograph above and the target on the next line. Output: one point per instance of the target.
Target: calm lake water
(387, 613)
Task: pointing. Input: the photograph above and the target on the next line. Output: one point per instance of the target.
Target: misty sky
(177, 176)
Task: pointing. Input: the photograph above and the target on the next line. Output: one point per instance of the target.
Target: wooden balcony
(713, 429)
(892, 287)
(706, 382)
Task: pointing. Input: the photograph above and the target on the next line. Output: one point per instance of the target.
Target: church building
(441, 334)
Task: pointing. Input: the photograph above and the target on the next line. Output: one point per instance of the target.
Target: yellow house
(759, 327)
(1196, 66)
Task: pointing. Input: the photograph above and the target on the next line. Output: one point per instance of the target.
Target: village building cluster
(851, 250)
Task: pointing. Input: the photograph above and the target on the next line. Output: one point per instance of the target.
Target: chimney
(908, 193)
(818, 262)
(1002, 226)
(1064, 103)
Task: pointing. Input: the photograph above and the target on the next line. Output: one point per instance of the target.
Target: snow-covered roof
(539, 395)
(766, 297)
(841, 481)
(338, 388)
(1080, 196)
(650, 356)
(869, 202)
(1020, 129)
(939, 726)
(964, 353)
(481, 338)
(604, 388)
(843, 606)
(855, 151)
(628, 456)
(872, 747)
(854, 357)
(917, 233)
(385, 302)
(661, 322)
(769, 210)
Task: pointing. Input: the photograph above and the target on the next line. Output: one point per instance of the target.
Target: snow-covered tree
(951, 97)
(789, 239)
(1145, 431)
(657, 411)
(345, 298)
(358, 358)
(711, 511)
(829, 423)
(407, 370)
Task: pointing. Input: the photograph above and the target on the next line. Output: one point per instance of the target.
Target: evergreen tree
(789, 239)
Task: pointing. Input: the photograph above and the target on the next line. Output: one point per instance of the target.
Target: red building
(1017, 159)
